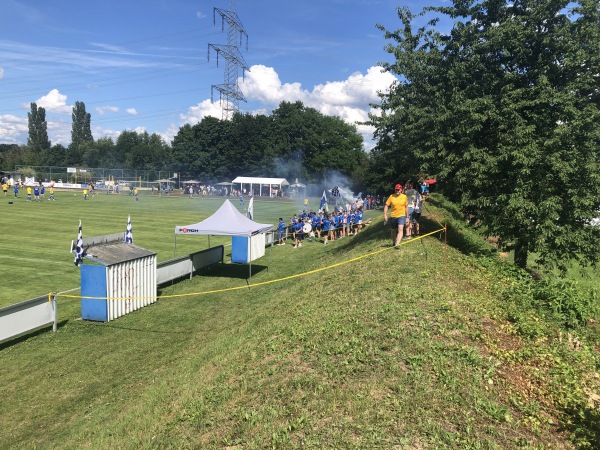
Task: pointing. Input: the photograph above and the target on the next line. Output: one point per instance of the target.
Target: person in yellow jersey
(397, 205)
(85, 193)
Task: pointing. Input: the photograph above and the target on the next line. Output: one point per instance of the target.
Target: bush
(567, 301)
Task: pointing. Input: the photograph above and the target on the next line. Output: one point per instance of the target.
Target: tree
(505, 110)
(310, 144)
(204, 150)
(81, 131)
(38, 129)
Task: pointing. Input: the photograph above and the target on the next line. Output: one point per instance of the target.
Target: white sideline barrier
(26, 316)
(186, 265)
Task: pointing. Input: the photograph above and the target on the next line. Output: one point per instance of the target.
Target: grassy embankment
(424, 346)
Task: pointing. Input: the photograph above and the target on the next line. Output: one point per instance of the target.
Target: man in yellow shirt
(398, 203)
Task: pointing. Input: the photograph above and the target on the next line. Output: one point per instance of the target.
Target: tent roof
(261, 180)
(226, 221)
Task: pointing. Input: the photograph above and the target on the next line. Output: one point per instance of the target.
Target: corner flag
(324, 203)
(251, 208)
(128, 232)
(79, 248)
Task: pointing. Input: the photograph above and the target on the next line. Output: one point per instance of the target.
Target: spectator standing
(411, 194)
(397, 205)
(280, 231)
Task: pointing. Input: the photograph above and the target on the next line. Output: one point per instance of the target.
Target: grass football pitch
(37, 236)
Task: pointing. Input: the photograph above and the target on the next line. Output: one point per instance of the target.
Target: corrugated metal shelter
(117, 278)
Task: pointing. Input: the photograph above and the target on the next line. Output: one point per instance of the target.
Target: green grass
(37, 236)
(406, 348)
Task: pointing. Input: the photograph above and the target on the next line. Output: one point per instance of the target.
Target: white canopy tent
(226, 221)
(261, 182)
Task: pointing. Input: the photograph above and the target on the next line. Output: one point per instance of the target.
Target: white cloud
(348, 99)
(11, 128)
(131, 111)
(200, 15)
(196, 113)
(262, 84)
(102, 109)
(54, 102)
(1, 73)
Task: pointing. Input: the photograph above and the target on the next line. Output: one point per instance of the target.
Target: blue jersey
(326, 224)
(359, 216)
(281, 226)
(36, 190)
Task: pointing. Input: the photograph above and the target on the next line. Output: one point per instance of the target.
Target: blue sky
(142, 65)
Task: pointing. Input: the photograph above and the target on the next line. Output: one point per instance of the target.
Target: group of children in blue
(332, 226)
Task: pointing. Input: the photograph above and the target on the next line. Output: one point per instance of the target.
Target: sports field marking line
(262, 283)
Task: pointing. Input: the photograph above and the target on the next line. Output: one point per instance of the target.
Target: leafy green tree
(54, 156)
(38, 129)
(147, 153)
(12, 155)
(252, 142)
(204, 150)
(81, 129)
(504, 109)
(310, 144)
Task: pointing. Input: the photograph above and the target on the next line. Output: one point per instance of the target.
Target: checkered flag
(335, 192)
(128, 232)
(79, 248)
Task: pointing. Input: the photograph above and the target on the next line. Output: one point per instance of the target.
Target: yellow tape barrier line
(262, 283)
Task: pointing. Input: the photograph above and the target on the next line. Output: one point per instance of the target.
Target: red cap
(398, 187)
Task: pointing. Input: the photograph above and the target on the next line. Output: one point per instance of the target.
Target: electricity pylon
(229, 92)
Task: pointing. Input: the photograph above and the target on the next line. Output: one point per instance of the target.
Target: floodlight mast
(229, 92)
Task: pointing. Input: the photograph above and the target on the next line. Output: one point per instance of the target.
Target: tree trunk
(521, 250)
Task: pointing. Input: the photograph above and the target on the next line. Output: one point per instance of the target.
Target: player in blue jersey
(36, 193)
